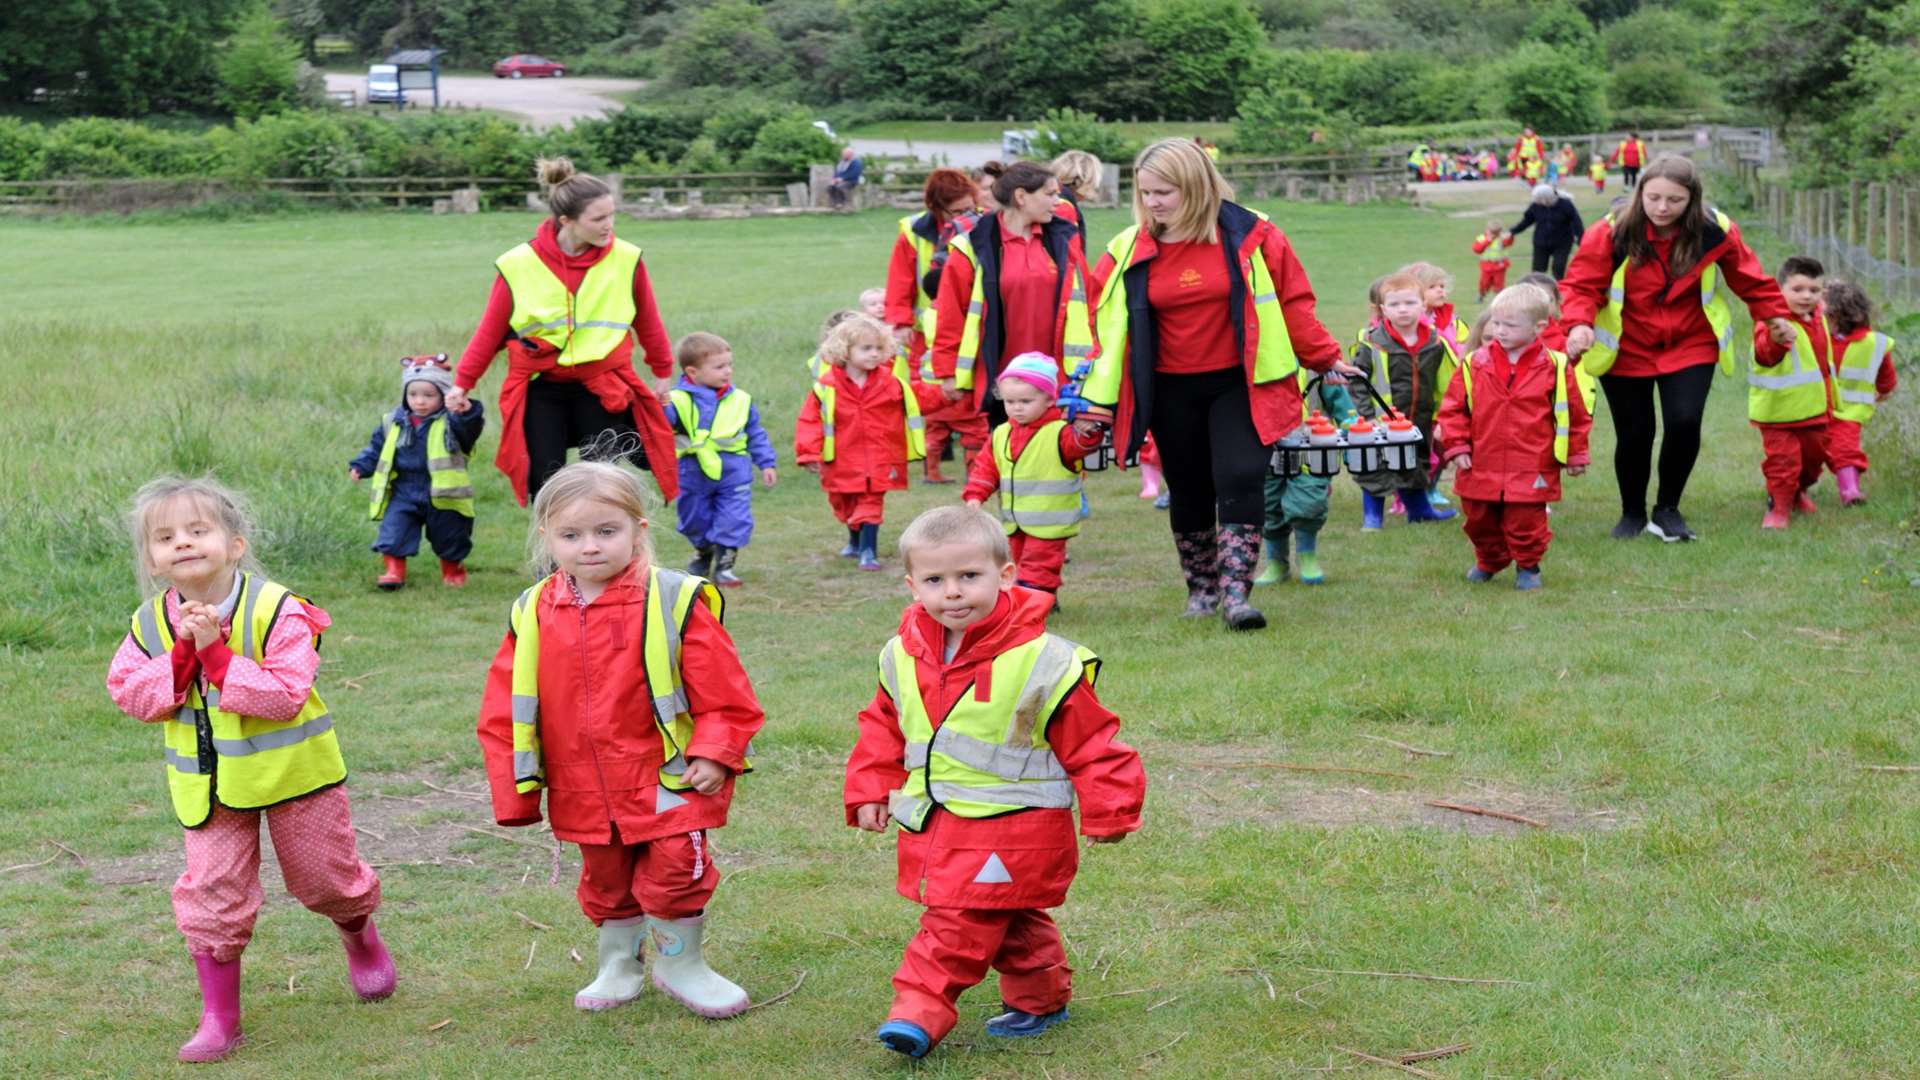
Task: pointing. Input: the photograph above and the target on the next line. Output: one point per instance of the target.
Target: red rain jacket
(870, 431)
(1510, 431)
(937, 866)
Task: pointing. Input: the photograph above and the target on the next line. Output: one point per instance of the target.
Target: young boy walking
(984, 731)
(1408, 361)
(1790, 395)
(720, 442)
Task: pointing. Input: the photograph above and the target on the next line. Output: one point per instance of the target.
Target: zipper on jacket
(586, 714)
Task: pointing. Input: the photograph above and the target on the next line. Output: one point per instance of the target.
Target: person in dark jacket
(846, 177)
(414, 484)
(1559, 228)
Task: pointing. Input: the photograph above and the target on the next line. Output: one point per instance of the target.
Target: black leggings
(563, 415)
(1213, 460)
(1557, 255)
(1683, 402)
(1631, 173)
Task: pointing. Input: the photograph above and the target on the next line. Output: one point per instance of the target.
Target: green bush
(1653, 85)
(99, 147)
(789, 144)
(1554, 92)
(21, 147)
(1070, 129)
(306, 145)
(735, 128)
(727, 43)
(1204, 52)
(1276, 119)
(259, 67)
(703, 156)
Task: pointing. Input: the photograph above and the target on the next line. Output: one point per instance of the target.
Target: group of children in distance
(984, 733)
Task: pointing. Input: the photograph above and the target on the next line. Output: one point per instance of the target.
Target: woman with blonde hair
(1079, 176)
(1205, 319)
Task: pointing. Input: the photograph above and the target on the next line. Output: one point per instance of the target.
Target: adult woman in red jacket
(1024, 265)
(577, 338)
(913, 281)
(1668, 242)
(1187, 307)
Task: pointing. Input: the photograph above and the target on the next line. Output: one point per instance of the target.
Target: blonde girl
(224, 660)
(602, 629)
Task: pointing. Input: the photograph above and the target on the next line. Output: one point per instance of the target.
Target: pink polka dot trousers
(216, 900)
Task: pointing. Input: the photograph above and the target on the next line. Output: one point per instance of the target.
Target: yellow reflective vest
(448, 486)
(728, 435)
(584, 326)
(1078, 336)
(1562, 415)
(1610, 320)
(923, 310)
(1794, 389)
(1039, 492)
(1857, 377)
(244, 762)
(916, 425)
(990, 757)
(1273, 358)
(670, 599)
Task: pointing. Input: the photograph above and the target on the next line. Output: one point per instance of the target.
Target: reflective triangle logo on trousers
(993, 872)
(664, 800)
(1539, 481)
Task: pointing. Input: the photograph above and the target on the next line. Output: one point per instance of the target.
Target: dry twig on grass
(450, 791)
(781, 996)
(290, 976)
(1436, 1052)
(535, 923)
(370, 832)
(574, 955)
(1271, 994)
(1289, 766)
(76, 855)
(1398, 745)
(531, 946)
(447, 1023)
(354, 683)
(1163, 1001)
(1889, 768)
(61, 849)
(1419, 976)
(1119, 993)
(1388, 1062)
(1164, 1047)
(499, 836)
(1468, 808)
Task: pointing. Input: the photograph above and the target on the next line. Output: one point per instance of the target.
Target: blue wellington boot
(905, 1037)
(1419, 509)
(870, 547)
(1373, 509)
(1014, 1024)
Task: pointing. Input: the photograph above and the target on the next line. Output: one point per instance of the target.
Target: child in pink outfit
(224, 660)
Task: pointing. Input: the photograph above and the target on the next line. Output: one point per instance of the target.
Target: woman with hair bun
(569, 306)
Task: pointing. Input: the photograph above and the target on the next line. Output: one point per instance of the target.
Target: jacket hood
(546, 244)
(1019, 617)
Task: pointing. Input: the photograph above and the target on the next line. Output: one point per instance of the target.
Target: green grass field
(1721, 888)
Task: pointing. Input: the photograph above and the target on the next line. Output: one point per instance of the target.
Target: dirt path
(544, 103)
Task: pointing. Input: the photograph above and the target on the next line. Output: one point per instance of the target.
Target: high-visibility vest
(1417, 157)
(728, 435)
(1494, 252)
(448, 486)
(1383, 379)
(244, 762)
(1794, 389)
(1597, 170)
(1039, 492)
(1562, 416)
(990, 757)
(1857, 376)
(1273, 359)
(671, 595)
(923, 252)
(584, 326)
(1529, 149)
(1609, 320)
(916, 425)
(1077, 344)
(1638, 144)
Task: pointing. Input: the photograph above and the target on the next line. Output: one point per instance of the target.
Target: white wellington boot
(623, 971)
(681, 972)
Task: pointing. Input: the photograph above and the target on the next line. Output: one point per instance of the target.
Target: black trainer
(1668, 525)
(1630, 526)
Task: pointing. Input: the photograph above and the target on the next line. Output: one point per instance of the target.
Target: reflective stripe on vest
(1039, 492)
(1562, 413)
(987, 757)
(1609, 320)
(670, 599)
(923, 309)
(728, 435)
(1077, 339)
(1494, 252)
(448, 486)
(1794, 389)
(584, 326)
(1856, 382)
(915, 426)
(1273, 359)
(243, 762)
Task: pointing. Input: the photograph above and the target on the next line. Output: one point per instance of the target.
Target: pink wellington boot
(1149, 481)
(219, 1033)
(1848, 480)
(369, 965)
(1803, 502)
(1776, 515)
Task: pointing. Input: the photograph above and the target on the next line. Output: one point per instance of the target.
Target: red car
(528, 66)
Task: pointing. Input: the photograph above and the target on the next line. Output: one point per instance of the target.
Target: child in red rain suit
(1040, 486)
(1499, 423)
(859, 428)
(1791, 413)
(578, 702)
(1863, 378)
(1492, 247)
(981, 786)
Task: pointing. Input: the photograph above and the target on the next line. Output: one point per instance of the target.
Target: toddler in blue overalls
(417, 461)
(717, 434)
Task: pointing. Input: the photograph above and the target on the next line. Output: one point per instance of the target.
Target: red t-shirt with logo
(1188, 286)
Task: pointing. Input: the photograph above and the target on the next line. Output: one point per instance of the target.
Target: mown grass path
(1721, 889)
